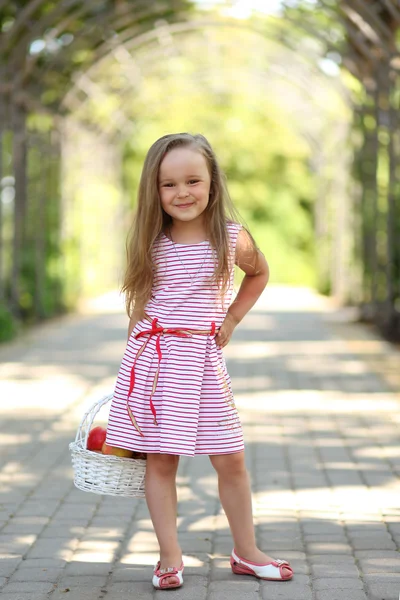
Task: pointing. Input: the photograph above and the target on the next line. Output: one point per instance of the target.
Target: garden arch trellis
(45, 45)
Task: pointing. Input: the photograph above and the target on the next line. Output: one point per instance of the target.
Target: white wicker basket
(103, 473)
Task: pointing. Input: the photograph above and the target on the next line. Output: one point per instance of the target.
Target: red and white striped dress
(193, 401)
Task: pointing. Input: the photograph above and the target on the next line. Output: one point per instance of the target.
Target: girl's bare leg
(161, 499)
(235, 495)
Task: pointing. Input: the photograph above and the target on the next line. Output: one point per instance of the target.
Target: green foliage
(247, 93)
(265, 159)
(8, 325)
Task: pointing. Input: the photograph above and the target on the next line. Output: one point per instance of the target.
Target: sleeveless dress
(173, 393)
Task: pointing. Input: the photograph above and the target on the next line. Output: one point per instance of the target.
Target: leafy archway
(48, 53)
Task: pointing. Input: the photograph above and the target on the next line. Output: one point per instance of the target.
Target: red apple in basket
(96, 438)
(114, 451)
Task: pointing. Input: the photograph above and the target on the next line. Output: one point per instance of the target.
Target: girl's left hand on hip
(225, 331)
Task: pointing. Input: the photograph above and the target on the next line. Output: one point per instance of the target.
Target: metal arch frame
(130, 35)
(124, 122)
(26, 70)
(110, 134)
(63, 7)
(177, 28)
(125, 94)
(364, 10)
(75, 104)
(129, 38)
(31, 61)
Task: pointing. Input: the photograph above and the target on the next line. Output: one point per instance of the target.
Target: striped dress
(173, 393)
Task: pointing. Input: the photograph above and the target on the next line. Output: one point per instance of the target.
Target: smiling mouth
(184, 205)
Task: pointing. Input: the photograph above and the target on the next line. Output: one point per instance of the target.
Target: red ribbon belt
(158, 331)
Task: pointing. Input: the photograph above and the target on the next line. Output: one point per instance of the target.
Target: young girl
(173, 394)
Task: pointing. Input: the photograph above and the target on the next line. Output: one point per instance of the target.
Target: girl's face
(184, 184)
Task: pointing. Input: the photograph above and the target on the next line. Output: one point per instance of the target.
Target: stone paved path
(318, 397)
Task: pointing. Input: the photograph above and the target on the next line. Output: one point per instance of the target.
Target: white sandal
(161, 574)
(272, 571)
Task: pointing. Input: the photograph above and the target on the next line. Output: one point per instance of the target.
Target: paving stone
(82, 581)
(328, 548)
(289, 529)
(8, 565)
(331, 559)
(67, 511)
(16, 543)
(396, 539)
(279, 545)
(182, 593)
(235, 590)
(287, 590)
(63, 531)
(394, 528)
(197, 569)
(344, 583)
(65, 521)
(321, 527)
(197, 545)
(360, 554)
(105, 533)
(111, 511)
(87, 568)
(14, 498)
(49, 490)
(382, 577)
(25, 596)
(322, 571)
(326, 538)
(92, 593)
(383, 586)
(133, 573)
(373, 543)
(222, 546)
(137, 590)
(77, 496)
(340, 594)
(38, 509)
(360, 529)
(380, 565)
(100, 521)
(37, 574)
(221, 571)
(97, 546)
(28, 586)
(46, 563)
(54, 548)
(246, 585)
(25, 524)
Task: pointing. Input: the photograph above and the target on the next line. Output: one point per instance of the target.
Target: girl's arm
(256, 278)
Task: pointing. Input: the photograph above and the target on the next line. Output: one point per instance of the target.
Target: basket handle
(87, 419)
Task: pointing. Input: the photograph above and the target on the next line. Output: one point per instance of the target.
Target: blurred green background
(301, 116)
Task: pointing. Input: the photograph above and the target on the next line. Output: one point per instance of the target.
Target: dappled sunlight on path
(322, 439)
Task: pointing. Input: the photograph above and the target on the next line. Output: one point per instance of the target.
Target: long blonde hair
(150, 220)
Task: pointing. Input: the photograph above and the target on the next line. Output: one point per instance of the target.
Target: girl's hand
(225, 331)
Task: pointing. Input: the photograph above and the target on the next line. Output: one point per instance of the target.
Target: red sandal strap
(166, 572)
